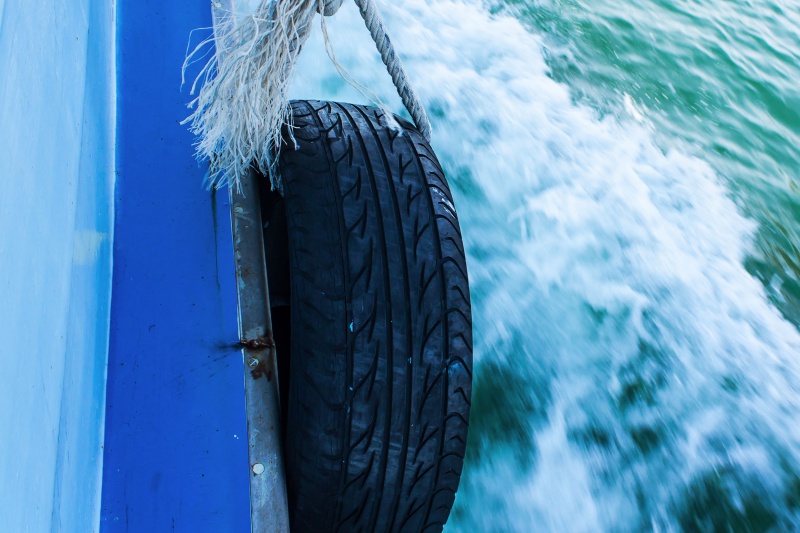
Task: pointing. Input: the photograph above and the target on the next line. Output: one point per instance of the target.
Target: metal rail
(268, 501)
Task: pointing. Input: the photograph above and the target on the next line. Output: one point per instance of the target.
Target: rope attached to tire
(374, 22)
(243, 101)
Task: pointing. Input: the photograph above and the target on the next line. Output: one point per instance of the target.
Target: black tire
(381, 334)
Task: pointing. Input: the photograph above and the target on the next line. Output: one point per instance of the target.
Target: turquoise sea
(627, 176)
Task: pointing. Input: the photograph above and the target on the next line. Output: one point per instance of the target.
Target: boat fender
(380, 340)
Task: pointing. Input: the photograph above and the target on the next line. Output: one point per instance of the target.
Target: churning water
(626, 175)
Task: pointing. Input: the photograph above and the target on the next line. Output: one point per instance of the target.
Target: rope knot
(331, 7)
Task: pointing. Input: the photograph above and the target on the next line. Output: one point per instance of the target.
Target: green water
(718, 78)
(720, 81)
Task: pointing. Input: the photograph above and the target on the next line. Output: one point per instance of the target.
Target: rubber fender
(381, 328)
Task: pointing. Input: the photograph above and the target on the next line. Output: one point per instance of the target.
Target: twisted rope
(369, 12)
(374, 22)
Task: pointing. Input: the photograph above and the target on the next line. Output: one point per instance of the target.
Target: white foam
(596, 248)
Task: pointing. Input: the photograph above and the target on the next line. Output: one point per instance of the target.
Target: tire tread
(381, 359)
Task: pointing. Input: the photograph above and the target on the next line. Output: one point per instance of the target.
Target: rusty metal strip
(268, 501)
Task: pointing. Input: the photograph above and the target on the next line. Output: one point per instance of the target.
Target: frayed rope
(244, 88)
(243, 100)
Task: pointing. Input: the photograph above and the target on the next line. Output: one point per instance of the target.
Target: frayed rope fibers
(244, 89)
(243, 101)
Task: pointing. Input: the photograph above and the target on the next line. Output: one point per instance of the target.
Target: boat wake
(630, 373)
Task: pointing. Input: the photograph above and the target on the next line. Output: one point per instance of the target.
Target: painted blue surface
(56, 191)
(176, 446)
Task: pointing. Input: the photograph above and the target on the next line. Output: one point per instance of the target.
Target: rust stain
(262, 370)
(260, 344)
